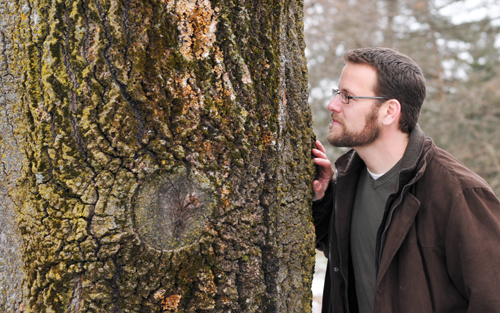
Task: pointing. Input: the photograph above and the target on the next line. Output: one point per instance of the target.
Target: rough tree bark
(155, 156)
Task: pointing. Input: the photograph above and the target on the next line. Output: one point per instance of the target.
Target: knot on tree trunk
(170, 209)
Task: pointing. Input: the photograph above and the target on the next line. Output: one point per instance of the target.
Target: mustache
(333, 117)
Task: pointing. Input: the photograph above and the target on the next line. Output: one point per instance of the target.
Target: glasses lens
(344, 98)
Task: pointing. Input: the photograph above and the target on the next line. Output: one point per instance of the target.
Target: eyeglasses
(345, 97)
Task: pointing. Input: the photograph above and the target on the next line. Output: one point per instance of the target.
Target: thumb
(316, 185)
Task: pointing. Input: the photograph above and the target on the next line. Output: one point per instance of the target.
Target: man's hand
(324, 171)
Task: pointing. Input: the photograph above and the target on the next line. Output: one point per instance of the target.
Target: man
(405, 226)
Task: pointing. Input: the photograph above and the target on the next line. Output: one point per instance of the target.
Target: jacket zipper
(383, 236)
(391, 214)
(338, 247)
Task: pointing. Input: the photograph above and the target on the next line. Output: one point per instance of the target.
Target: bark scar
(197, 24)
(76, 298)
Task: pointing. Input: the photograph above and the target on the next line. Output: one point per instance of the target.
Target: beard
(350, 139)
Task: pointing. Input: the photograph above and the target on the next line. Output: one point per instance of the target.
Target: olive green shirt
(369, 205)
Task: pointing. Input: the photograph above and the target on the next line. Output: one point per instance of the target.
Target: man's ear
(391, 112)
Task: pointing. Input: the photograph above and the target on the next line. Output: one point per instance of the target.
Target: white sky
(470, 10)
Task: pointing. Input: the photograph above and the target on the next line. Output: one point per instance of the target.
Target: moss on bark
(112, 94)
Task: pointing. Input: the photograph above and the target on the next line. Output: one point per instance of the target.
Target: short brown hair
(398, 77)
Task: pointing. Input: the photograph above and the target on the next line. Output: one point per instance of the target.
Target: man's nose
(334, 105)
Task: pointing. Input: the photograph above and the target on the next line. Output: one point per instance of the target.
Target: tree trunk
(155, 157)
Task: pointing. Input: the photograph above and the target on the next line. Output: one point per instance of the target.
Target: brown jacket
(438, 245)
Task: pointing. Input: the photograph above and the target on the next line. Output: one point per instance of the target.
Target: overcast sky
(471, 10)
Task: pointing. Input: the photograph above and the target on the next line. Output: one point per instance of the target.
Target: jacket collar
(413, 150)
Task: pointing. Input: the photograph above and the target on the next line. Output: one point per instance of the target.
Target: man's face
(355, 124)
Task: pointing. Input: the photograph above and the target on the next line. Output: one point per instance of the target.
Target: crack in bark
(67, 62)
(126, 30)
(95, 112)
(75, 85)
(122, 87)
(115, 285)
(268, 260)
(240, 285)
(4, 168)
(41, 87)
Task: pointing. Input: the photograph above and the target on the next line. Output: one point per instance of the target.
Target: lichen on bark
(112, 99)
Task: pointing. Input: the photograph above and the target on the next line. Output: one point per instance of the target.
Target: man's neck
(381, 155)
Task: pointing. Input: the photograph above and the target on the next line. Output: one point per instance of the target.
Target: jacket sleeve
(473, 248)
(322, 214)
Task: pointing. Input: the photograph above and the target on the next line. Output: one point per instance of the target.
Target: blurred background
(457, 45)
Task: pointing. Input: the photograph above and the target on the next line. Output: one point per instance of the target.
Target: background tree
(457, 45)
(155, 157)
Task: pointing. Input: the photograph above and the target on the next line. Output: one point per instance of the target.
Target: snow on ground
(318, 281)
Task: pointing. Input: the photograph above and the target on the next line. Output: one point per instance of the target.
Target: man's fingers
(319, 154)
(325, 171)
(316, 185)
(320, 146)
(319, 190)
(323, 162)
